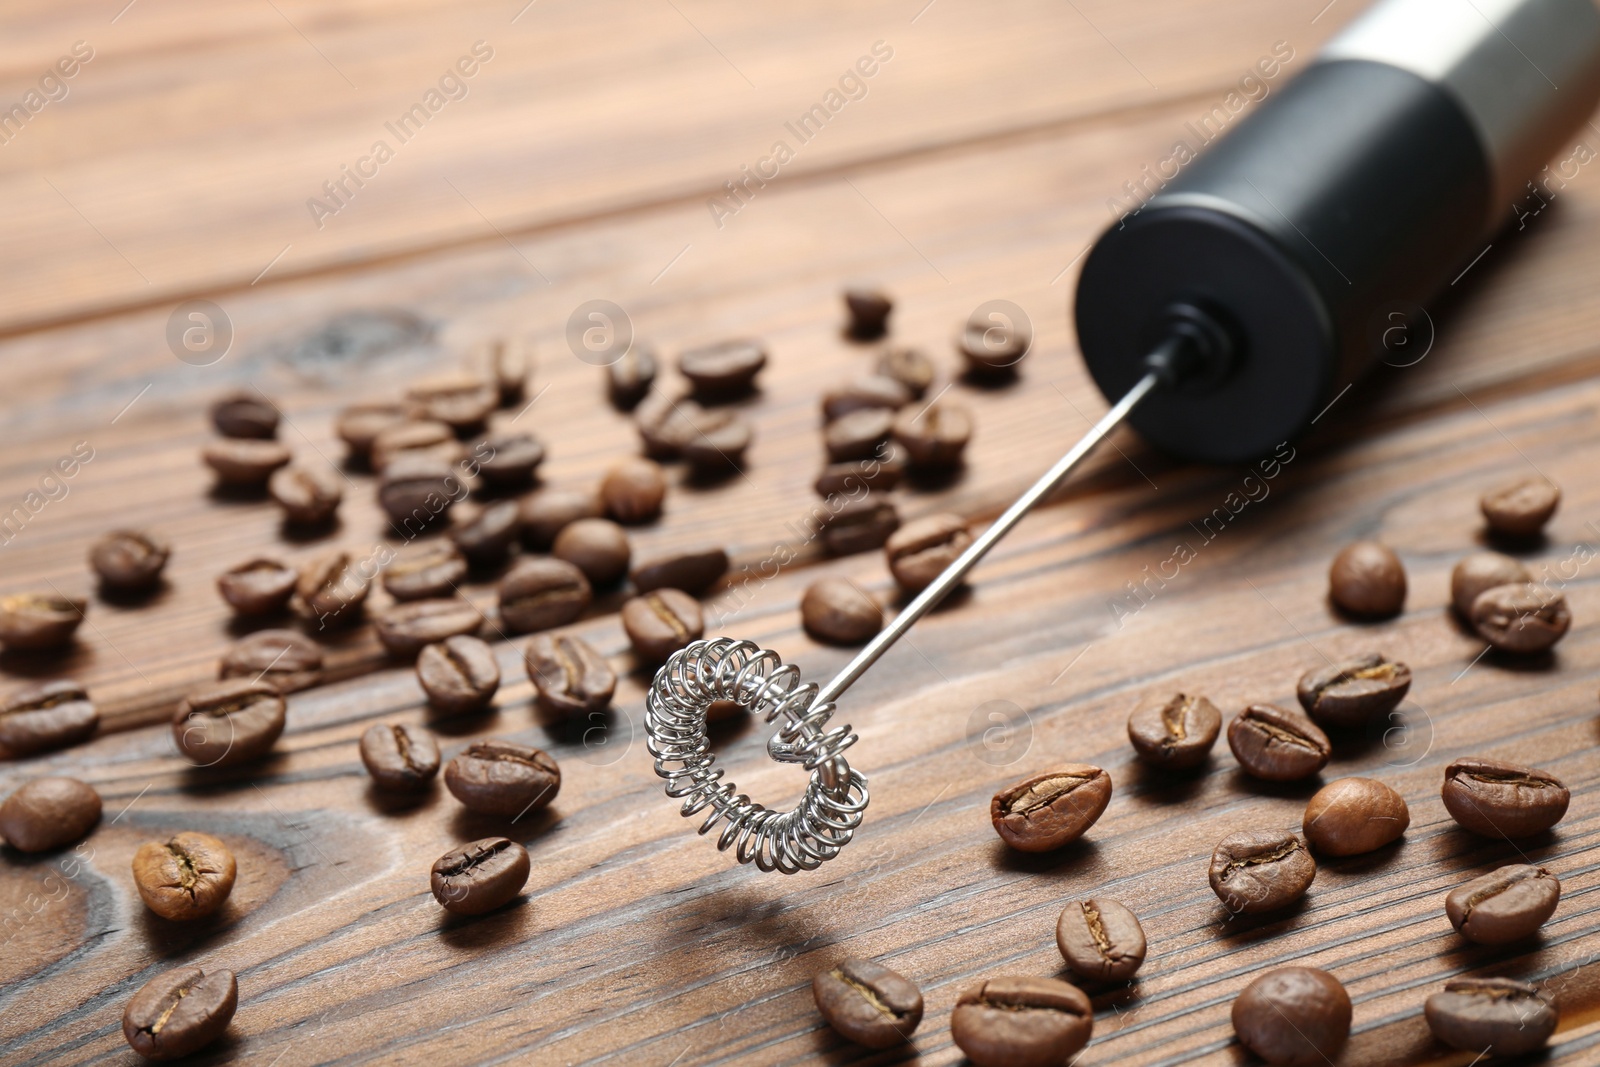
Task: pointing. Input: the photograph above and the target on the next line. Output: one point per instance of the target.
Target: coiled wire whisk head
(675, 724)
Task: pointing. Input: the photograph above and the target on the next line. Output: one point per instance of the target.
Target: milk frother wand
(1224, 315)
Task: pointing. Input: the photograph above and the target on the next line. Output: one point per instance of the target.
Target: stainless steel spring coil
(757, 679)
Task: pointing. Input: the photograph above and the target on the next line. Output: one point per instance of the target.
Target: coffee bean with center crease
(632, 490)
(872, 391)
(1367, 580)
(486, 534)
(1480, 572)
(332, 589)
(1050, 809)
(508, 461)
(934, 437)
(399, 757)
(459, 674)
(45, 717)
(417, 489)
(230, 723)
(406, 628)
(537, 594)
(547, 512)
(498, 777)
(308, 495)
(129, 561)
(188, 876)
(597, 547)
(868, 1003)
(415, 437)
(660, 622)
(908, 366)
(724, 369)
(479, 877)
(1100, 939)
(1277, 745)
(1520, 510)
(921, 549)
(993, 344)
(463, 402)
(1491, 1016)
(1503, 906)
(245, 414)
(179, 1012)
(1503, 800)
(869, 313)
(569, 677)
(629, 379)
(851, 477)
(1522, 619)
(1354, 692)
(859, 525)
(693, 572)
(1353, 816)
(39, 622)
(1293, 1016)
(48, 813)
(1255, 871)
(243, 463)
(1177, 733)
(258, 586)
(425, 572)
(285, 659)
(718, 443)
(857, 435)
(1022, 1022)
(834, 611)
(359, 425)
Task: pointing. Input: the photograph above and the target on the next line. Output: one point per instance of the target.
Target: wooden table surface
(576, 163)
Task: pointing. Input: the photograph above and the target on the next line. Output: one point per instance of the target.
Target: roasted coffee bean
(459, 674)
(933, 437)
(851, 477)
(1051, 809)
(1479, 573)
(129, 560)
(258, 587)
(232, 722)
(1503, 906)
(180, 1011)
(693, 572)
(188, 876)
(570, 678)
(1294, 1016)
(833, 610)
(245, 414)
(993, 346)
(417, 488)
(1503, 800)
(873, 391)
(477, 878)
(399, 757)
(406, 628)
(1355, 815)
(1255, 871)
(1354, 692)
(908, 366)
(723, 369)
(660, 622)
(498, 777)
(48, 813)
(922, 548)
(859, 525)
(1522, 619)
(332, 589)
(508, 461)
(719, 442)
(1491, 1016)
(419, 436)
(597, 547)
(629, 379)
(869, 313)
(537, 594)
(632, 490)
(858, 435)
(509, 363)
(243, 462)
(1519, 511)
(1277, 745)
(1177, 734)
(45, 717)
(868, 1003)
(666, 425)
(307, 495)
(425, 571)
(39, 622)
(285, 659)
(1100, 939)
(1367, 580)
(486, 534)
(1022, 1022)
(547, 512)
(462, 402)
(359, 425)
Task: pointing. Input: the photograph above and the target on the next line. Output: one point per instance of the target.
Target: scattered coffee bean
(869, 313)
(426, 571)
(508, 461)
(723, 369)
(1503, 906)
(1255, 871)
(1355, 692)
(873, 391)
(570, 678)
(331, 589)
(39, 622)
(908, 366)
(399, 757)
(666, 425)
(45, 717)
(232, 722)
(188, 876)
(307, 495)
(933, 437)
(629, 379)
(498, 777)
(850, 477)
(420, 436)
(1022, 1022)
(128, 560)
(1277, 745)
(416, 489)
(859, 525)
(994, 348)
(719, 441)
(597, 547)
(1491, 1016)
(463, 402)
(1177, 734)
(1480, 572)
(1051, 809)
(407, 628)
(459, 674)
(257, 587)
(1293, 1016)
(486, 534)
(632, 490)
(1100, 939)
(547, 512)
(359, 426)
(179, 1012)
(693, 572)
(868, 1003)
(1521, 619)
(858, 435)
(834, 611)
(1519, 511)
(1503, 800)
(477, 878)
(509, 364)
(284, 659)
(1353, 816)
(244, 462)
(922, 548)
(660, 622)
(1367, 580)
(48, 813)
(537, 594)
(245, 414)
